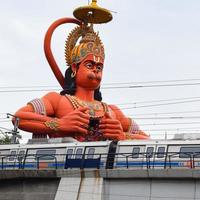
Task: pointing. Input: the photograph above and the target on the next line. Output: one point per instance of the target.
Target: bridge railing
(121, 160)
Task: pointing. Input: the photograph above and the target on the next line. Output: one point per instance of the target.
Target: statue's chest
(96, 109)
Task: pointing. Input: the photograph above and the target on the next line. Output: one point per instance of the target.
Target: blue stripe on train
(144, 164)
(49, 165)
(30, 166)
(61, 165)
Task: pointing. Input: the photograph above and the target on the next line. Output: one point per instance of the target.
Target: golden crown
(90, 43)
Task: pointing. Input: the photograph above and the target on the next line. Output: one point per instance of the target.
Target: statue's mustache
(93, 76)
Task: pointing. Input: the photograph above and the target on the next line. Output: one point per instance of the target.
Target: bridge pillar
(73, 188)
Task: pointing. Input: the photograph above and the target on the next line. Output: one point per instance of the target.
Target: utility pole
(15, 130)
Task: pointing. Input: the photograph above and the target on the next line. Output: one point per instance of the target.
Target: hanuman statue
(78, 111)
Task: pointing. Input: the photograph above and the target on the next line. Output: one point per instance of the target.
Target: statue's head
(85, 59)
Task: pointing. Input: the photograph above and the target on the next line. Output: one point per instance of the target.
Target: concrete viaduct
(103, 184)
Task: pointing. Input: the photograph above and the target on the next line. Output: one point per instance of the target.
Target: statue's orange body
(70, 115)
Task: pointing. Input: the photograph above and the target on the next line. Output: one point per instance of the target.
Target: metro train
(54, 154)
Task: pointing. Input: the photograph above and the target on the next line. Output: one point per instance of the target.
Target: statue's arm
(129, 126)
(40, 116)
(36, 113)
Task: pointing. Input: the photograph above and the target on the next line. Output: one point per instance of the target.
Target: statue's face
(90, 71)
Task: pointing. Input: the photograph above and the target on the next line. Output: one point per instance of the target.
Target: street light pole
(15, 130)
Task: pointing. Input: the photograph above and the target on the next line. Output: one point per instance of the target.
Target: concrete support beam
(80, 185)
(68, 189)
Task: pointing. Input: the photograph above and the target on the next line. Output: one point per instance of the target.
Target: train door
(130, 156)
(15, 158)
(92, 157)
(160, 160)
(149, 156)
(137, 157)
(74, 157)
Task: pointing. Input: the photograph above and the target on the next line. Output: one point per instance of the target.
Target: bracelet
(128, 136)
(52, 124)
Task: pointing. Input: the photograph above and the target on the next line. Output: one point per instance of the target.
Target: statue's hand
(111, 128)
(75, 122)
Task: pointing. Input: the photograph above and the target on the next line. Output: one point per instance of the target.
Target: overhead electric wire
(173, 129)
(144, 82)
(161, 104)
(165, 113)
(160, 100)
(155, 114)
(111, 87)
(164, 118)
(29, 87)
(119, 83)
(150, 86)
(31, 90)
(170, 123)
(145, 118)
(131, 85)
(172, 133)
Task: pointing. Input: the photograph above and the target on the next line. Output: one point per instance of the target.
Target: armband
(52, 124)
(133, 127)
(38, 106)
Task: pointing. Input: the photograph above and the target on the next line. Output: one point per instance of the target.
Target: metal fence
(97, 161)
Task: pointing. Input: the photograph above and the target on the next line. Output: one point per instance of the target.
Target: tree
(6, 139)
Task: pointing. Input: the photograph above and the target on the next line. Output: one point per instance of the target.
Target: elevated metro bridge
(152, 170)
(100, 184)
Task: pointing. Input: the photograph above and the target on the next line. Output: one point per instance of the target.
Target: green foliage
(5, 139)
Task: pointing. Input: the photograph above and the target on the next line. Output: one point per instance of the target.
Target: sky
(149, 44)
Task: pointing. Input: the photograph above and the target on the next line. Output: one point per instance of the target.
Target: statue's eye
(89, 65)
(99, 68)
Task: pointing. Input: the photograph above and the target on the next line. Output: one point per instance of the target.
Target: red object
(47, 47)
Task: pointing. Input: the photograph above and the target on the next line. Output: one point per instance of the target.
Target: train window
(69, 153)
(135, 152)
(149, 152)
(12, 155)
(46, 154)
(21, 155)
(91, 153)
(161, 152)
(187, 152)
(79, 153)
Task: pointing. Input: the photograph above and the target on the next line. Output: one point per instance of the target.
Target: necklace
(94, 107)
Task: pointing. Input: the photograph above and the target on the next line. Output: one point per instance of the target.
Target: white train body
(158, 153)
(105, 154)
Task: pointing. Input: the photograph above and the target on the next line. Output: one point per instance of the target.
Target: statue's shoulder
(113, 107)
(116, 110)
(52, 97)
